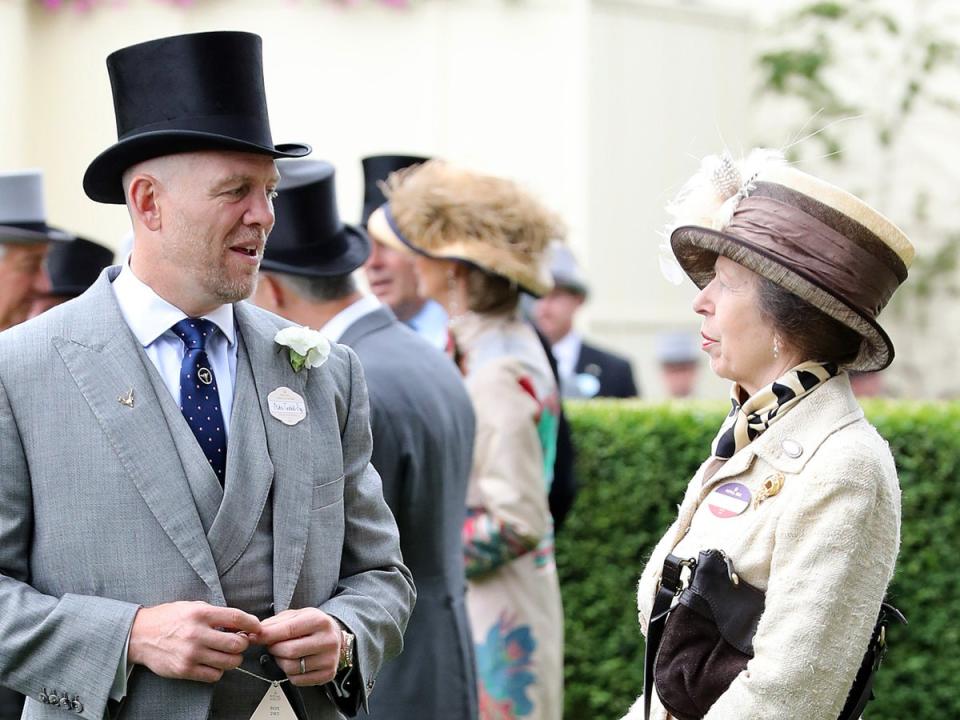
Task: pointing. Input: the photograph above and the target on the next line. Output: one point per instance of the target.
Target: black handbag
(698, 645)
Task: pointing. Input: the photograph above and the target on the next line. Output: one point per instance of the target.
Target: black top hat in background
(377, 168)
(74, 267)
(308, 237)
(179, 94)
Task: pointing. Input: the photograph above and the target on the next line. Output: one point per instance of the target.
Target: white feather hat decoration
(712, 195)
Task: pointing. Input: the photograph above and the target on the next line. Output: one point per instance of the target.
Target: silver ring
(303, 666)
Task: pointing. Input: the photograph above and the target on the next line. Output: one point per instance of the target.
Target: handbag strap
(670, 585)
(862, 691)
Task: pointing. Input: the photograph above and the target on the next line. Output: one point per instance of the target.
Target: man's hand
(308, 633)
(190, 640)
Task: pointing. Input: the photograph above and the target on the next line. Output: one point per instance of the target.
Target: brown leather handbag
(698, 645)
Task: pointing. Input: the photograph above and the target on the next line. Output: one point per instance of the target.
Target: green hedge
(634, 461)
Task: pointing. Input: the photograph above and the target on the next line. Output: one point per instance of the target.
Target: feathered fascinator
(712, 195)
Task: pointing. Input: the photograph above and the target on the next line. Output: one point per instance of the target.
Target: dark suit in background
(423, 430)
(613, 372)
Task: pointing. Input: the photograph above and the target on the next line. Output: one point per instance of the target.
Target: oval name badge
(286, 406)
(729, 500)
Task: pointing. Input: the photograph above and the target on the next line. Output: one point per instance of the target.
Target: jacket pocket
(327, 493)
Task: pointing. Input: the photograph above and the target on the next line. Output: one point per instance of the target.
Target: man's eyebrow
(230, 181)
(239, 179)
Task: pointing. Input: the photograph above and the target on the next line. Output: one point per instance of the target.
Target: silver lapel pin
(127, 398)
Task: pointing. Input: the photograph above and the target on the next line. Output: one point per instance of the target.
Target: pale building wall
(667, 86)
(13, 78)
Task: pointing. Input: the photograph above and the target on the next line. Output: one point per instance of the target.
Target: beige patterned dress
(513, 596)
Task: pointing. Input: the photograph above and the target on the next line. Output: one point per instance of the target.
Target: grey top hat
(674, 348)
(23, 218)
(567, 274)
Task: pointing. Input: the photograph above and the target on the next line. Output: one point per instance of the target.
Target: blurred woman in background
(479, 241)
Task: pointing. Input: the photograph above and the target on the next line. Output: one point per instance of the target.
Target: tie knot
(194, 332)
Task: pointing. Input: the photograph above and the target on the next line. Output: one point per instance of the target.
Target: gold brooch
(770, 487)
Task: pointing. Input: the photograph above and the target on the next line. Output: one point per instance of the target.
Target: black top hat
(308, 237)
(184, 93)
(377, 168)
(74, 267)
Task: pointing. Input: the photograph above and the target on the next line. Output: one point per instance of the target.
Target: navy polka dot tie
(199, 399)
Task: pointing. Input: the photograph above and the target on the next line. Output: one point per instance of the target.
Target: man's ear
(143, 201)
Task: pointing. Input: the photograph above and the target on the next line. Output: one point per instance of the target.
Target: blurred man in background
(390, 273)
(585, 370)
(423, 433)
(24, 239)
(679, 358)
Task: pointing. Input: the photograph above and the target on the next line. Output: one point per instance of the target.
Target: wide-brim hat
(308, 238)
(23, 217)
(812, 238)
(185, 93)
(376, 169)
(490, 223)
(73, 267)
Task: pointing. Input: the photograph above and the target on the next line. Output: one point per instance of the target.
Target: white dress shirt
(150, 317)
(336, 326)
(566, 351)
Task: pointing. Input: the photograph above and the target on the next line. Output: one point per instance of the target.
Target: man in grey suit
(189, 526)
(423, 432)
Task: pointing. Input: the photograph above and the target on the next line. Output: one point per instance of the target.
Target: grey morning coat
(423, 433)
(108, 505)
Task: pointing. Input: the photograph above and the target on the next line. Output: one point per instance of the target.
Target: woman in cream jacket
(799, 491)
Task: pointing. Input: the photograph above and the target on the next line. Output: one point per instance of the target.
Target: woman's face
(433, 278)
(735, 334)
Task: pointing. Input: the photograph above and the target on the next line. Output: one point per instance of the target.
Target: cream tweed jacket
(823, 549)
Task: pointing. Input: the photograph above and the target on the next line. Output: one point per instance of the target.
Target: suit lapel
(106, 362)
(289, 447)
(249, 471)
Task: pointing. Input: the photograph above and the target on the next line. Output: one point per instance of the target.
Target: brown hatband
(813, 249)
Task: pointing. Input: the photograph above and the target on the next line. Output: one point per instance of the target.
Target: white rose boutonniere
(308, 348)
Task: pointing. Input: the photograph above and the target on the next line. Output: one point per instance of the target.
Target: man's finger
(231, 619)
(226, 642)
(295, 626)
(302, 647)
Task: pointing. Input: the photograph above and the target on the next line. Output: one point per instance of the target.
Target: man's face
(554, 313)
(22, 278)
(216, 210)
(393, 280)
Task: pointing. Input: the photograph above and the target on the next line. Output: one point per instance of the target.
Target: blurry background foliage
(872, 78)
(634, 463)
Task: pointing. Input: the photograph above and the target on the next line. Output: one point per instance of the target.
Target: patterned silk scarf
(746, 422)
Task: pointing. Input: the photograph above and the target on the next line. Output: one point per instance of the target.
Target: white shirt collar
(150, 316)
(336, 326)
(566, 351)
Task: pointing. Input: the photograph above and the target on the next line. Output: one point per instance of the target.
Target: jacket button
(42, 697)
(53, 698)
(65, 702)
(77, 705)
(792, 448)
(264, 659)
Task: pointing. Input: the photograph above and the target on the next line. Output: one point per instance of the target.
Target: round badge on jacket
(729, 500)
